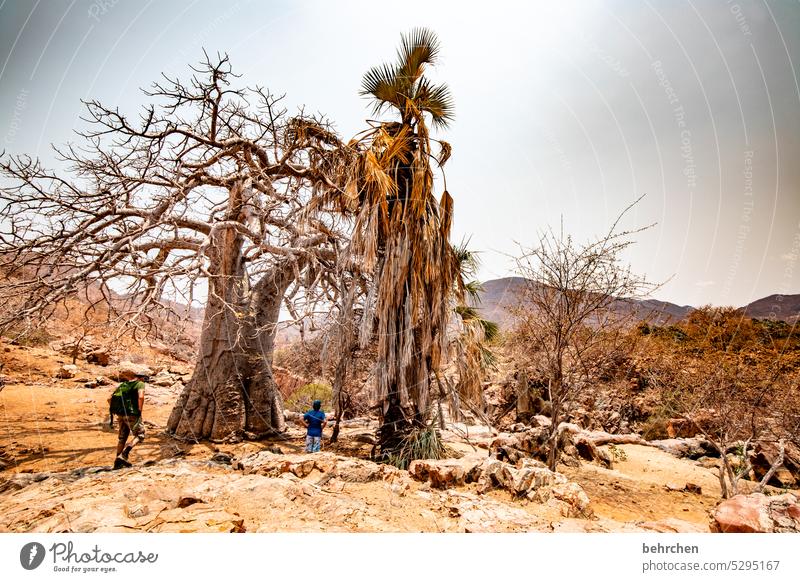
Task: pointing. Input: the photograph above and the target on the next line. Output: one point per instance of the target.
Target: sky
(564, 111)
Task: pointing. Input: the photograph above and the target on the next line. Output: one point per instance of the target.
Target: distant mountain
(782, 307)
(500, 297)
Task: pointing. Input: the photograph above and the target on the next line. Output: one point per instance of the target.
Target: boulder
(757, 513)
(513, 447)
(294, 417)
(446, 473)
(99, 357)
(345, 469)
(67, 371)
(165, 379)
(530, 480)
(541, 421)
(766, 453)
(127, 369)
(591, 452)
(693, 448)
(575, 498)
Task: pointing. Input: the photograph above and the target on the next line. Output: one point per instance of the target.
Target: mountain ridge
(498, 296)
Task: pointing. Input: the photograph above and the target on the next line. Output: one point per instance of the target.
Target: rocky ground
(55, 453)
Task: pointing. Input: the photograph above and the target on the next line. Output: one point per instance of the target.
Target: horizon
(569, 111)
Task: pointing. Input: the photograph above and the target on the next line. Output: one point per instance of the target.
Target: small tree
(573, 314)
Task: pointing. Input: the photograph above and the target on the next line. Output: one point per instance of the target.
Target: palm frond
(436, 100)
(418, 48)
(473, 290)
(445, 152)
(491, 331)
(382, 83)
(468, 261)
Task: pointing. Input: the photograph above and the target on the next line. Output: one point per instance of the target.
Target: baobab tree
(211, 194)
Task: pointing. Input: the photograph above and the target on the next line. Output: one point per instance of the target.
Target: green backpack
(125, 400)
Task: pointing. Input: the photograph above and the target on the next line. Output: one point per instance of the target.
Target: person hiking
(315, 422)
(126, 403)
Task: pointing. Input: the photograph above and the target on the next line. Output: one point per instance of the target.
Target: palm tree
(402, 236)
(473, 356)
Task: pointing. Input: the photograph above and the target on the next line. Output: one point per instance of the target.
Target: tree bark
(232, 393)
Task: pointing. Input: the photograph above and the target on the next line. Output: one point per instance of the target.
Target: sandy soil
(51, 425)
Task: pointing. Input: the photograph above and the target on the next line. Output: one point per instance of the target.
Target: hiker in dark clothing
(315, 421)
(126, 403)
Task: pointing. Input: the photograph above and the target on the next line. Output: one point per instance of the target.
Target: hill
(778, 307)
(500, 296)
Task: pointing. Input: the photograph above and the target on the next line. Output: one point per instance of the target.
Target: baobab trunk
(232, 393)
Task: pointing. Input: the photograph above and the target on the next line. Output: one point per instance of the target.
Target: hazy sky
(562, 109)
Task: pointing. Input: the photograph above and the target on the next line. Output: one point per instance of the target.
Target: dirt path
(647, 485)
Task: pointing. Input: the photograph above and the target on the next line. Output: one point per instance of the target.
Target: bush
(654, 428)
(32, 338)
(301, 399)
(420, 443)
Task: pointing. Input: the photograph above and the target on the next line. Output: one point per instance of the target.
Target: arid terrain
(57, 452)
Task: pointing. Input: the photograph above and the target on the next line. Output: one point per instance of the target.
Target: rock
(294, 417)
(482, 516)
(671, 525)
(542, 421)
(164, 379)
(127, 369)
(692, 448)
(288, 382)
(577, 502)
(766, 453)
(591, 452)
(530, 478)
(221, 458)
(529, 481)
(757, 513)
(67, 371)
(346, 469)
(353, 470)
(445, 473)
(708, 462)
(513, 447)
(137, 510)
(496, 474)
(187, 501)
(98, 357)
(680, 427)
